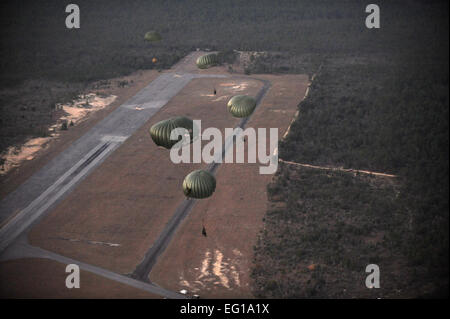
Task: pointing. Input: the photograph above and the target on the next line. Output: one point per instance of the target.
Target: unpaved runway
(143, 270)
(33, 198)
(220, 265)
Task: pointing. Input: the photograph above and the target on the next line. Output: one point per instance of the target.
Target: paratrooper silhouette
(203, 227)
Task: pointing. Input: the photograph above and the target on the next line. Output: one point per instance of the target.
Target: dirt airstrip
(129, 198)
(218, 266)
(115, 214)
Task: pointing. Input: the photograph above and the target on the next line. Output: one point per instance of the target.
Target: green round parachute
(152, 36)
(199, 184)
(241, 105)
(208, 60)
(160, 132)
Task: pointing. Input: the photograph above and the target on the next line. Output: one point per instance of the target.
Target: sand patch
(230, 89)
(85, 104)
(75, 112)
(26, 152)
(205, 264)
(235, 87)
(215, 269)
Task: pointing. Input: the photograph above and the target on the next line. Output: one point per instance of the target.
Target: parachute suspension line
(188, 191)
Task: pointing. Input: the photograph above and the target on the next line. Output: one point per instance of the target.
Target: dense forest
(384, 111)
(36, 43)
(380, 102)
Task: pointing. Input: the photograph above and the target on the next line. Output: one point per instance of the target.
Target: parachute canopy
(241, 105)
(199, 184)
(152, 36)
(160, 132)
(208, 60)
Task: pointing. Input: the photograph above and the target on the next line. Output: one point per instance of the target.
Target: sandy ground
(74, 113)
(219, 265)
(41, 150)
(129, 198)
(44, 278)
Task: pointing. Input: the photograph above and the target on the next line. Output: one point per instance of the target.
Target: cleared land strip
(219, 265)
(143, 270)
(132, 196)
(33, 198)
